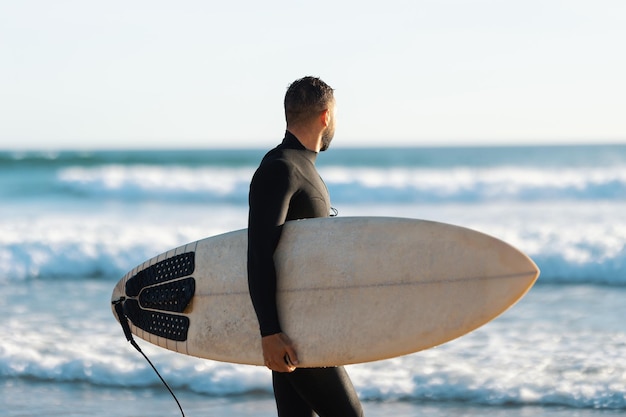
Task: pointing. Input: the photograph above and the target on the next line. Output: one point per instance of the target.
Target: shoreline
(72, 399)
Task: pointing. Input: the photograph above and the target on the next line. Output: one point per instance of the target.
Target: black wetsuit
(287, 186)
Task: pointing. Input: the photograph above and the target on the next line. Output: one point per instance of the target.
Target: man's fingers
(291, 357)
(279, 353)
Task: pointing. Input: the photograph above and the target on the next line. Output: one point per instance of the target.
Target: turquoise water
(72, 223)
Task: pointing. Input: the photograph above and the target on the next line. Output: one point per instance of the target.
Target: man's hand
(279, 353)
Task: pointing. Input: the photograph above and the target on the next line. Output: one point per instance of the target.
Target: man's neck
(308, 138)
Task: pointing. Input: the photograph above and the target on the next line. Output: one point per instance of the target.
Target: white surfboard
(350, 290)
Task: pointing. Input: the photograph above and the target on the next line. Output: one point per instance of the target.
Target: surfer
(287, 186)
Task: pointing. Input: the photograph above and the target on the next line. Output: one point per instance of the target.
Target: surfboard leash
(119, 310)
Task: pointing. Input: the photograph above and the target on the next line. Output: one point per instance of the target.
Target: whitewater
(73, 222)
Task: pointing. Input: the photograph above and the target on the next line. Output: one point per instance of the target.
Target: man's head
(306, 101)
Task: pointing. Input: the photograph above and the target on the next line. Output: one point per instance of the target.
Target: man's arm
(270, 194)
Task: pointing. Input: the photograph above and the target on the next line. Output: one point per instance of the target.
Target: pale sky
(86, 74)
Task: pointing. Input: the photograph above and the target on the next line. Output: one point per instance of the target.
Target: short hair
(306, 98)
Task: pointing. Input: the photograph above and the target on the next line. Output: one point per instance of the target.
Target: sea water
(73, 222)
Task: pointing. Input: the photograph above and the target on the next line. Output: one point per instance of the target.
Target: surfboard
(350, 290)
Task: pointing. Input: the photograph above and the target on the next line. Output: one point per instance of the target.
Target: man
(287, 186)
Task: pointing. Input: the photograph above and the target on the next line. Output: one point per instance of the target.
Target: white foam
(554, 348)
(460, 184)
(80, 245)
(582, 242)
(152, 181)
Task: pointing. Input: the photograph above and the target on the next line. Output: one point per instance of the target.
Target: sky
(157, 74)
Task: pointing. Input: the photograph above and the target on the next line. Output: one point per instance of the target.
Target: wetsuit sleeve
(270, 193)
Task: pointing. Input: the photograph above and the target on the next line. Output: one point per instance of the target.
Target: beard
(327, 136)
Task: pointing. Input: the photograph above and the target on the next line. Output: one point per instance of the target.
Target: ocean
(73, 222)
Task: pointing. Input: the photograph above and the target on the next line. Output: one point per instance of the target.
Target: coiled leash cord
(119, 310)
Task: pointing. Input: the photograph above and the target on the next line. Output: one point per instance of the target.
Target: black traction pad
(169, 326)
(167, 270)
(172, 296)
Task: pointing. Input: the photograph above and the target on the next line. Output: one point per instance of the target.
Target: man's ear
(325, 117)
